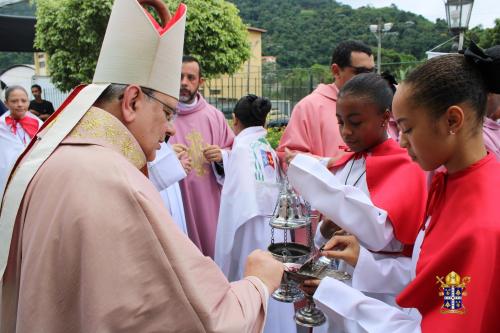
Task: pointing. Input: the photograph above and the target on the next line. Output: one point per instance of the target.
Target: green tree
(491, 36)
(321, 73)
(71, 32)
(485, 37)
(301, 33)
(398, 64)
(8, 59)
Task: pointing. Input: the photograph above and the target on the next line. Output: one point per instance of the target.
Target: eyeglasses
(170, 112)
(361, 70)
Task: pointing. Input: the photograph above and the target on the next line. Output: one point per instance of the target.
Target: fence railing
(285, 88)
(55, 96)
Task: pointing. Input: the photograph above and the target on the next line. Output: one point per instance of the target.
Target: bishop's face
(154, 122)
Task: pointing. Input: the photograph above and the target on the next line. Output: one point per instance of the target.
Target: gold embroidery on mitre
(195, 151)
(99, 124)
(453, 289)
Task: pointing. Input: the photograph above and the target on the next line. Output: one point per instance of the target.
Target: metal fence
(285, 88)
(54, 95)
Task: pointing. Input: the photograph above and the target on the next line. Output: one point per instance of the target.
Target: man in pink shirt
(313, 126)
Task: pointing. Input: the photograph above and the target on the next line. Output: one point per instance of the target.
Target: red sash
(397, 185)
(28, 124)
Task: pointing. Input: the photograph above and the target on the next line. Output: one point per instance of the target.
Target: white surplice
(344, 198)
(344, 204)
(11, 146)
(165, 172)
(249, 196)
(371, 314)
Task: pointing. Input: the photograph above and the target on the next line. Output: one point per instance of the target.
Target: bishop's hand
(261, 264)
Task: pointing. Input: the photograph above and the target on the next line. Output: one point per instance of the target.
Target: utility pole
(379, 30)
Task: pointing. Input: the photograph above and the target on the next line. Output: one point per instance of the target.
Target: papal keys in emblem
(453, 289)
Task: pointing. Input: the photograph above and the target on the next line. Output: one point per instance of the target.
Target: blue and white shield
(453, 298)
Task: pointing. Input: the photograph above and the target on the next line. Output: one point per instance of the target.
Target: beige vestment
(94, 250)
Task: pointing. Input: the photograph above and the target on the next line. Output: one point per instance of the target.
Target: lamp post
(458, 16)
(379, 30)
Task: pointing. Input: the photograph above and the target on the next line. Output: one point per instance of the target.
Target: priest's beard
(186, 96)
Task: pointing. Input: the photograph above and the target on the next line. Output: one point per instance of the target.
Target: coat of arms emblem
(453, 289)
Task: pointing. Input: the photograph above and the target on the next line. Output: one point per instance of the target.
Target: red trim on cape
(463, 236)
(397, 185)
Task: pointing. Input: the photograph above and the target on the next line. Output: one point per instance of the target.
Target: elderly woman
(17, 128)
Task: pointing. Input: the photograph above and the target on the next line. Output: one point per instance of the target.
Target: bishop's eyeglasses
(170, 112)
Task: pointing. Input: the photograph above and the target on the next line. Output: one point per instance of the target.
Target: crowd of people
(139, 209)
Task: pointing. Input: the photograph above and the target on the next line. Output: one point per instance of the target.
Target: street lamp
(458, 16)
(378, 30)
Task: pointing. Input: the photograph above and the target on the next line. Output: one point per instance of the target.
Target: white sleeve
(346, 206)
(166, 169)
(387, 275)
(225, 163)
(336, 299)
(324, 161)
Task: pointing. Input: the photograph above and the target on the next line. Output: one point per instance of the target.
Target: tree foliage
(71, 32)
(8, 59)
(486, 37)
(216, 35)
(305, 32)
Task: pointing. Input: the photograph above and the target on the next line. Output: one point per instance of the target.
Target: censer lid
(291, 211)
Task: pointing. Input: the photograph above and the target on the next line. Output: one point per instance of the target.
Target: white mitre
(135, 50)
(142, 53)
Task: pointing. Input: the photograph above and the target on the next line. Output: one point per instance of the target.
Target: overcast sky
(484, 11)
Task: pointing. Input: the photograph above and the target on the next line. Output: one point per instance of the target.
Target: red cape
(397, 185)
(464, 237)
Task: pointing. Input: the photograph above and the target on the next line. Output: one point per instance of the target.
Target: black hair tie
(257, 109)
(488, 62)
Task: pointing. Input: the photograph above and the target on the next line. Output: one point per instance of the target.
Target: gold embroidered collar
(101, 126)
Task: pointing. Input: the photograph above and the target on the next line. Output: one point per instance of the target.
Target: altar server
(440, 109)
